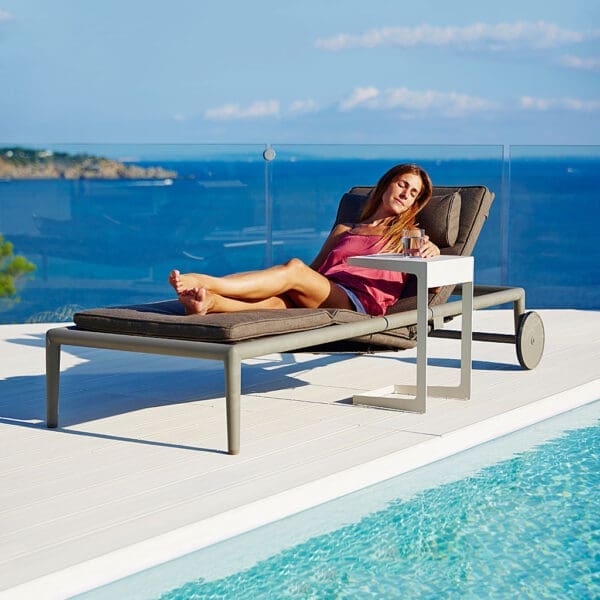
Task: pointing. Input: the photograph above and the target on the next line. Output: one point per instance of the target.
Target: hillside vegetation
(25, 163)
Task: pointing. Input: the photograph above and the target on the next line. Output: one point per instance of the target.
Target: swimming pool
(514, 517)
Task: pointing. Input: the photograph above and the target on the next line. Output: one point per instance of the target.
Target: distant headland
(25, 163)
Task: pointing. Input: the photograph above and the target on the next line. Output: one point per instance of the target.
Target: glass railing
(224, 208)
(553, 207)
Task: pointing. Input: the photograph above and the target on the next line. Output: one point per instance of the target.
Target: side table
(430, 272)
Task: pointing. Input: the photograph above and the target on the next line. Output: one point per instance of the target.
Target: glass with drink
(412, 241)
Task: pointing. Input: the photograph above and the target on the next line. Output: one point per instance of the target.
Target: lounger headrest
(441, 219)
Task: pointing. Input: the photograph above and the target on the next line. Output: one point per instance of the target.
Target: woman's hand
(428, 248)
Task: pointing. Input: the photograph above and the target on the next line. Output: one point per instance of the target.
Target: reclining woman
(329, 282)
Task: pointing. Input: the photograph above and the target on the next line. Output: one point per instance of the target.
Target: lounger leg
(52, 381)
(233, 388)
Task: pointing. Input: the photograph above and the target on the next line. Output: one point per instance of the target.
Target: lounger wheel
(530, 340)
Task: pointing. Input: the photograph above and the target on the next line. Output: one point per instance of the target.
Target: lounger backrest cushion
(476, 202)
(441, 219)
(453, 220)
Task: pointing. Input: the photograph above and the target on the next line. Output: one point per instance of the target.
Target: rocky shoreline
(24, 163)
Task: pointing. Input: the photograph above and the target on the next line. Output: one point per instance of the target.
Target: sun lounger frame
(232, 354)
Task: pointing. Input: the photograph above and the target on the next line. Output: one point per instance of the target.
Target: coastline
(18, 163)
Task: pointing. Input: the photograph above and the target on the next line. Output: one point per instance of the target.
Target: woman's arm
(329, 244)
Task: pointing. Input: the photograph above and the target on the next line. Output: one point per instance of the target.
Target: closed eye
(414, 192)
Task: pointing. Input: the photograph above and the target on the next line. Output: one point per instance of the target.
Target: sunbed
(453, 219)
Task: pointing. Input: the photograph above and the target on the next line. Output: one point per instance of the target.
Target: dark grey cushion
(401, 338)
(351, 206)
(166, 319)
(441, 219)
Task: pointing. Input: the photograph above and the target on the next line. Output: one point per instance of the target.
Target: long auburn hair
(406, 220)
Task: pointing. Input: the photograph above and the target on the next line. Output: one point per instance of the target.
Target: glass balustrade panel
(553, 225)
(107, 233)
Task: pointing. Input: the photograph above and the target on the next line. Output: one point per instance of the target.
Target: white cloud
(581, 63)
(258, 109)
(5, 16)
(499, 36)
(440, 103)
(361, 96)
(303, 106)
(406, 103)
(570, 104)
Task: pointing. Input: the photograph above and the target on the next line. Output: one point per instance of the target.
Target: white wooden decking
(140, 448)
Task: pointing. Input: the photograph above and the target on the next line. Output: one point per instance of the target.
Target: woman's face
(401, 194)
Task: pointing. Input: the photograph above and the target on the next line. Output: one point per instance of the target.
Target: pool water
(527, 526)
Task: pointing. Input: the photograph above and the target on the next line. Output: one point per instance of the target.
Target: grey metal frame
(232, 354)
(433, 272)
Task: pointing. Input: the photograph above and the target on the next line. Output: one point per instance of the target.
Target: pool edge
(126, 561)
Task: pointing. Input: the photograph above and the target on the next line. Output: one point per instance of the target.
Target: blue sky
(316, 71)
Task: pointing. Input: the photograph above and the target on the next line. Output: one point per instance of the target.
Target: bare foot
(175, 281)
(187, 281)
(196, 301)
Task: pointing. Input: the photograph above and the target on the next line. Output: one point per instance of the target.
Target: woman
(329, 282)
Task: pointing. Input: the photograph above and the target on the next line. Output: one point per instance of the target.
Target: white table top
(439, 270)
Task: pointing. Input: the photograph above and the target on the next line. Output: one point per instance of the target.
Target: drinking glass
(412, 241)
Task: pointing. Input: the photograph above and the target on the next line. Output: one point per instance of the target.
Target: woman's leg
(304, 286)
(255, 285)
(200, 302)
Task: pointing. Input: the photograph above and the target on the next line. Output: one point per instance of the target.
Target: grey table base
(414, 398)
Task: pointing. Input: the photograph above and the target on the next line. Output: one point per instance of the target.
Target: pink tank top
(376, 290)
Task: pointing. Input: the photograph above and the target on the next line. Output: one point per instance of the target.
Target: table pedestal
(430, 272)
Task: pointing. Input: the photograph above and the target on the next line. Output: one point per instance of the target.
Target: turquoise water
(527, 526)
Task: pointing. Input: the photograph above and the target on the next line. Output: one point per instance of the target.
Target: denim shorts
(354, 299)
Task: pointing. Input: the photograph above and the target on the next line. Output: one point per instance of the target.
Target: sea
(113, 242)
